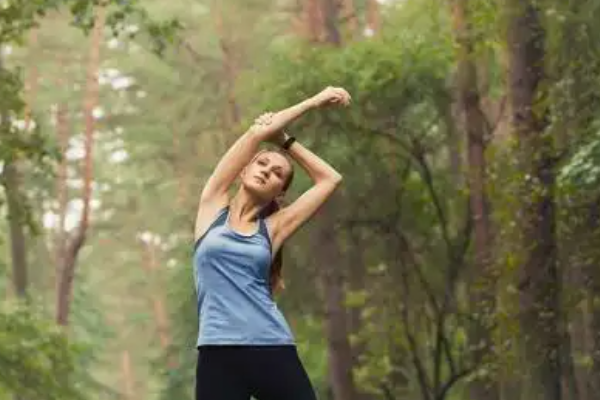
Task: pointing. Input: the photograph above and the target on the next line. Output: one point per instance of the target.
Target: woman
(245, 346)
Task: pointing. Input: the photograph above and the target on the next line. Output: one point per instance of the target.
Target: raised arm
(326, 179)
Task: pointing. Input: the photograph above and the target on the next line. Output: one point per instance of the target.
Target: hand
(331, 95)
(262, 124)
(264, 119)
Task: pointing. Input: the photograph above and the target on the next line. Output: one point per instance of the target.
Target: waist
(234, 321)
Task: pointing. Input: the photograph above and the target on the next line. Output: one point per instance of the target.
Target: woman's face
(267, 175)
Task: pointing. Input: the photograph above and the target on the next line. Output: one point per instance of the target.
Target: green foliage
(400, 225)
(19, 16)
(36, 358)
(582, 171)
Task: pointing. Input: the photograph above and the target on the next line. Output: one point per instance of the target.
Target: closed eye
(278, 172)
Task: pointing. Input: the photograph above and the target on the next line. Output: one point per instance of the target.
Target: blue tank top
(231, 271)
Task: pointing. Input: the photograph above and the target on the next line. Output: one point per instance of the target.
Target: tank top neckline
(245, 235)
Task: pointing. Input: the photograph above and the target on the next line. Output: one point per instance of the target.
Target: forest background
(459, 259)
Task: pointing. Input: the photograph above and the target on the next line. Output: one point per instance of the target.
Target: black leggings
(263, 372)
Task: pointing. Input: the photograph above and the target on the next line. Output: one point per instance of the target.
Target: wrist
(288, 142)
(311, 103)
(280, 139)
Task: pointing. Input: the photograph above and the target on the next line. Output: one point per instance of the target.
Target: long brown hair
(276, 282)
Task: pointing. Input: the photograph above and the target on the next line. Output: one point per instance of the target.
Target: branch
(200, 58)
(452, 381)
(427, 177)
(421, 373)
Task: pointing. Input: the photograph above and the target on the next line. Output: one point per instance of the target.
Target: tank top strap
(263, 230)
(219, 220)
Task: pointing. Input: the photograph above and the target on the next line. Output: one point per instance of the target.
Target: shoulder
(208, 212)
(273, 226)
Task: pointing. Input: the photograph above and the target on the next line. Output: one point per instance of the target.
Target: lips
(260, 180)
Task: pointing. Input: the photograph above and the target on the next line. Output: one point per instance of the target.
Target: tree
(539, 281)
(482, 284)
(68, 260)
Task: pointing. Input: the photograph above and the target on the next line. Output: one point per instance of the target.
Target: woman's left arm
(326, 179)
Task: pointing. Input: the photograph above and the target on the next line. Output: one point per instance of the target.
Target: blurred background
(458, 260)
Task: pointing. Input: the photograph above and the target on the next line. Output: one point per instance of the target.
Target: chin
(258, 191)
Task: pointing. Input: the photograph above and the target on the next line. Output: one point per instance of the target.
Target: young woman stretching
(245, 346)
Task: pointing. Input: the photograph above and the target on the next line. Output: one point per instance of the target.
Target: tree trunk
(229, 67)
(593, 292)
(329, 10)
(373, 17)
(349, 16)
(150, 264)
(584, 378)
(452, 113)
(336, 315)
(12, 185)
(127, 373)
(314, 20)
(16, 221)
(69, 261)
(594, 382)
(61, 189)
(356, 284)
(62, 130)
(539, 282)
(481, 286)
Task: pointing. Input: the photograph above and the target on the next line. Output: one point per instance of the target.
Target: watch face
(288, 142)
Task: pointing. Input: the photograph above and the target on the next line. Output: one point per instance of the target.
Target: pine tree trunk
(16, 221)
(349, 17)
(373, 17)
(539, 281)
(67, 269)
(12, 185)
(329, 9)
(340, 354)
(593, 291)
(576, 261)
(62, 130)
(229, 67)
(356, 283)
(314, 20)
(584, 378)
(594, 382)
(481, 285)
(150, 264)
(61, 189)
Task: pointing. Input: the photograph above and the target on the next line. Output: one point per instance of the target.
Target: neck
(245, 207)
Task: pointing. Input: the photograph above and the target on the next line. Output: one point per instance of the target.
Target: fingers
(333, 95)
(340, 95)
(264, 119)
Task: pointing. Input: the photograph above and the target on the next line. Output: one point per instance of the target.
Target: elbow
(335, 180)
(338, 179)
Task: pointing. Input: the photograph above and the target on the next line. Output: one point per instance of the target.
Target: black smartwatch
(288, 142)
